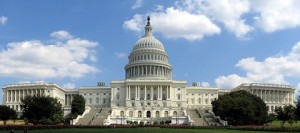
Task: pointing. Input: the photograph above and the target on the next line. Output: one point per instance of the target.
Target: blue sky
(219, 43)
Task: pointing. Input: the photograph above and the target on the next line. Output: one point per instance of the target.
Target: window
(118, 88)
(131, 114)
(91, 100)
(103, 100)
(118, 96)
(132, 104)
(178, 89)
(90, 93)
(103, 93)
(97, 100)
(178, 96)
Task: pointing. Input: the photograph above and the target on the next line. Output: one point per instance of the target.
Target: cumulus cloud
(194, 19)
(137, 4)
(37, 59)
(205, 84)
(69, 86)
(3, 20)
(228, 12)
(273, 15)
(175, 23)
(62, 35)
(273, 69)
(120, 55)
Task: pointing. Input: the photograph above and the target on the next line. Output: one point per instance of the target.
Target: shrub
(142, 123)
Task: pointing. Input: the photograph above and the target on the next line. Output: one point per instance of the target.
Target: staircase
(196, 117)
(101, 116)
(210, 120)
(87, 118)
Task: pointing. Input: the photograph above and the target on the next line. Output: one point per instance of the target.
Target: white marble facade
(273, 95)
(148, 92)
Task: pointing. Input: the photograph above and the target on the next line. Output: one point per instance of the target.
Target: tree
(6, 113)
(78, 105)
(297, 109)
(287, 113)
(41, 109)
(241, 108)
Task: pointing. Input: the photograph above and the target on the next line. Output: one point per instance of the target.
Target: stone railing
(87, 110)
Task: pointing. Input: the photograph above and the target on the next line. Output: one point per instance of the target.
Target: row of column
(68, 99)
(148, 70)
(148, 57)
(152, 96)
(274, 96)
(18, 95)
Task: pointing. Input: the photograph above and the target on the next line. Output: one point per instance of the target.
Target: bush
(135, 122)
(155, 122)
(161, 122)
(142, 123)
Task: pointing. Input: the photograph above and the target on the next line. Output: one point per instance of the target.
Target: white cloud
(62, 35)
(205, 84)
(69, 86)
(3, 20)
(194, 19)
(135, 24)
(120, 55)
(276, 15)
(137, 4)
(228, 12)
(175, 23)
(271, 70)
(231, 81)
(36, 59)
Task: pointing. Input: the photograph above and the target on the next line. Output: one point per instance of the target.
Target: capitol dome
(148, 59)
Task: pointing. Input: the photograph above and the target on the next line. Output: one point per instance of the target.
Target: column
(136, 93)
(288, 97)
(127, 92)
(151, 94)
(145, 94)
(7, 95)
(167, 93)
(157, 97)
(19, 95)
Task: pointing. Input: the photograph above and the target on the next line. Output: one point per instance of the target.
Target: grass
(286, 124)
(139, 130)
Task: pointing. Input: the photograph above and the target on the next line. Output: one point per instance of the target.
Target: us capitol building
(148, 92)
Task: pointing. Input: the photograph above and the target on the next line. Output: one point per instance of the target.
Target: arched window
(199, 100)
(157, 114)
(97, 100)
(131, 114)
(166, 114)
(175, 113)
(140, 114)
(122, 113)
(118, 96)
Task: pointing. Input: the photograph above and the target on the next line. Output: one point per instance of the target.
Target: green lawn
(139, 130)
(286, 124)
